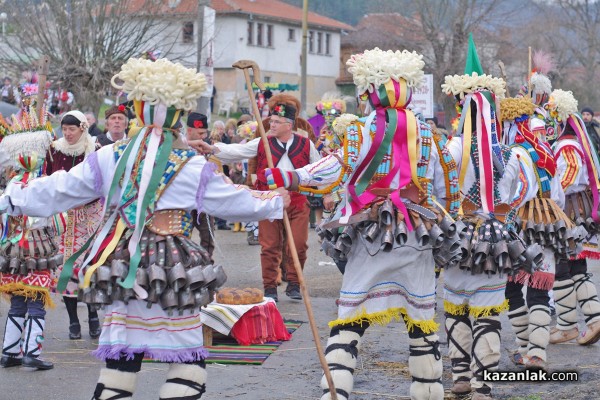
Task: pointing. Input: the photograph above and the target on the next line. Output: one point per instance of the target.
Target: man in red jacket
(289, 151)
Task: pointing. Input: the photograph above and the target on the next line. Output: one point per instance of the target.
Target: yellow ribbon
(119, 229)
(411, 125)
(466, 153)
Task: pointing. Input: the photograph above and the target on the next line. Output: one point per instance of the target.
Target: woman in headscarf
(66, 152)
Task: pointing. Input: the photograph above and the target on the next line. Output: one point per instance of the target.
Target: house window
(269, 35)
(328, 44)
(291, 35)
(250, 32)
(259, 34)
(267, 79)
(311, 42)
(188, 32)
(319, 42)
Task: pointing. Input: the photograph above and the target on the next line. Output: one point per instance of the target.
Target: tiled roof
(274, 9)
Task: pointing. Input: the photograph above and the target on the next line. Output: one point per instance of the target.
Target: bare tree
(446, 26)
(87, 40)
(573, 36)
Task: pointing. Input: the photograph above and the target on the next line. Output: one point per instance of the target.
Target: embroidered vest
(298, 153)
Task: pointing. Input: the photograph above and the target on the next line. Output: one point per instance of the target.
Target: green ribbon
(160, 164)
(381, 151)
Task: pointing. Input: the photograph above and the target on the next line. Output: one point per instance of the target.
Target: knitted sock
(519, 319)
(566, 304)
(425, 367)
(587, 297)
(115, 385)
(539, 335)
(184, 381)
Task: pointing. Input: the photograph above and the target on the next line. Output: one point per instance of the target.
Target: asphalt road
(293, 371)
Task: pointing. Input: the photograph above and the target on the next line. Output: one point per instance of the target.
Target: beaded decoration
(450, 174)
(177, 159)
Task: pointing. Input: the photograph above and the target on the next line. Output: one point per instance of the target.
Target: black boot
(95, 329)
(75, 331)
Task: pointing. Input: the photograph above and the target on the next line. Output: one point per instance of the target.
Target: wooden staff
(42, 71)
(246, 65)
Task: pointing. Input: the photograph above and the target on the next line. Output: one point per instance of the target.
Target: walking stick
(245, 65)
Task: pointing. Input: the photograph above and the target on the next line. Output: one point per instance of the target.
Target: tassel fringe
(29, 292)
(474, 311)
(385, 317)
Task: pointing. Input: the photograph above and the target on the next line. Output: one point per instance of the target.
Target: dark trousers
(20, 305)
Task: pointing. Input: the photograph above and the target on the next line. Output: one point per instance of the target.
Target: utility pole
(304, 57)
(203, 102)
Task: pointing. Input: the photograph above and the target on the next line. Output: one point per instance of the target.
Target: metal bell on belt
(177, 277)
(168, 300)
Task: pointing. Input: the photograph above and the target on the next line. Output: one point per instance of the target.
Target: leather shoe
(272, 293)
(7, 361)
(34, 362)
(224, 228)
(293, 291)
(591, 336)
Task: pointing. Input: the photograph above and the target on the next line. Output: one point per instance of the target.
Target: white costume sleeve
(556, 192)
(234, 152)
(195, 186)
(225, 200)
(510, 180)
(324, 172)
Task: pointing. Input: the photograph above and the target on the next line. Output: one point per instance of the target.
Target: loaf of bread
(239, 296)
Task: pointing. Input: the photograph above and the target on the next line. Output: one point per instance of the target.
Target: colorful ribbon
(591, 162)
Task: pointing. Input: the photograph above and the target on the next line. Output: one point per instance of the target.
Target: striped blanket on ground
(225, 349)
(222, 317)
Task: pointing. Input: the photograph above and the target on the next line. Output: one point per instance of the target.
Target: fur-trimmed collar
(85, 145)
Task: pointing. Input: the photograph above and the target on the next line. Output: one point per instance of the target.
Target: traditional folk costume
(541, 221)
(577, 168)
(387, 220)
(29, 245)
(489, 173)
(81, 222)
(141, 264)
(296, 153)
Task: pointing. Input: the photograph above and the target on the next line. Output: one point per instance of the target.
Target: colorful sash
(399, 135)
(590, 159)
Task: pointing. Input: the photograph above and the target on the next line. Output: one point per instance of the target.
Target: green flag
(472, 64)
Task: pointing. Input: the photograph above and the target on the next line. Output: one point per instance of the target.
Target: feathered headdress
(27, 139)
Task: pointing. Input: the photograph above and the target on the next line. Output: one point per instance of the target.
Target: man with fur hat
(116, 125)
(290, 151)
